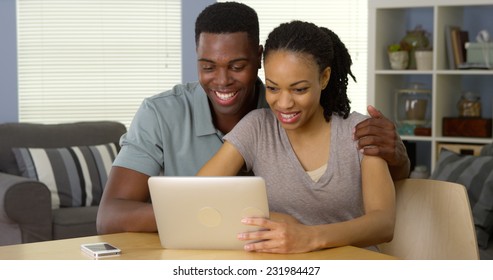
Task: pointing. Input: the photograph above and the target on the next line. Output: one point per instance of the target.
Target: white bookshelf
(388, 22)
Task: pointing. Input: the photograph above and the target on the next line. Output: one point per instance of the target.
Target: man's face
(227, 67)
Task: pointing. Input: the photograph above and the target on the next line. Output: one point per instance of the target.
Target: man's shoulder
(177, 92)
(179, 97)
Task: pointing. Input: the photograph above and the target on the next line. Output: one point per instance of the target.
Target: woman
(322, 192)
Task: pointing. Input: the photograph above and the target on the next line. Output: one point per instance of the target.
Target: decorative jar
(412, 108)
(469, 105)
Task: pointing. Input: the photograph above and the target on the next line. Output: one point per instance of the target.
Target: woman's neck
(311, 144)
(318, 125)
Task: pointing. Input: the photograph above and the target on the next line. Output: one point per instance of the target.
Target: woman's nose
(285, 100)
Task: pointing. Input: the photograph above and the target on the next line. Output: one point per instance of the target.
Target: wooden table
(146, 246)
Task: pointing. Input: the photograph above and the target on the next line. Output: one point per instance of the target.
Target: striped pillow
(476, 174)
(75, 176)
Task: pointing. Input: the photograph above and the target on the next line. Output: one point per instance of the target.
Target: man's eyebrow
(205, 60)
(230, 62)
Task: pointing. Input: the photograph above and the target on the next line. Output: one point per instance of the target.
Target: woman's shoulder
(258, 120)
(356, 117)
(259, 114)
(353, 119)
(263, 112)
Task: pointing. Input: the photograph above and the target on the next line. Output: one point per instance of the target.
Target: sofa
(475, 173)
(52, 177)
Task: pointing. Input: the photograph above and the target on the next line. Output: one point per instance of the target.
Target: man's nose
(223, 77)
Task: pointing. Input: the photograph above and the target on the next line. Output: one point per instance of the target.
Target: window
(82, 60)
(348, 19)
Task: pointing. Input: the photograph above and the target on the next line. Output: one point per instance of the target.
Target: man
(177, 131)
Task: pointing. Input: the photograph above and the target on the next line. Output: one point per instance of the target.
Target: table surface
(146, 246)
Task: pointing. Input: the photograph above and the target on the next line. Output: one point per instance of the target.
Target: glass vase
(412, 108)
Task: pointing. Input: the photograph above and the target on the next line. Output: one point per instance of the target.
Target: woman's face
(293, 87)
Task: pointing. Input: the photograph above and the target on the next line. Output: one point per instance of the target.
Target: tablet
(206, 212)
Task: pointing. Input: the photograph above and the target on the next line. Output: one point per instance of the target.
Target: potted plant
(424, 58)
(416, 39)
(398, 55)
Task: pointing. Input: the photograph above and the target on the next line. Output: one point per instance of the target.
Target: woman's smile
(288, 117)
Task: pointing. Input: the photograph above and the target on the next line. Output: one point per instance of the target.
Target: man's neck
(226, 123)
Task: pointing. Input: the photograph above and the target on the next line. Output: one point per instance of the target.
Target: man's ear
(259, 55)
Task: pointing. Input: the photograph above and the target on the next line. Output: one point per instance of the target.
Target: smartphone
(101, 249)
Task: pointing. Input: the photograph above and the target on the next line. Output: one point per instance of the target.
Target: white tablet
(206, 212)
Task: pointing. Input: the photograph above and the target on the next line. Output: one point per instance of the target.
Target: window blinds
(348, 19)
(82, 60)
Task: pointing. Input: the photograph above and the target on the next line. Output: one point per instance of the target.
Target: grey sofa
(475, 173)
(27, 213)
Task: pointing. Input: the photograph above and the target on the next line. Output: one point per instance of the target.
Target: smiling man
(176, 132)
(179, 130)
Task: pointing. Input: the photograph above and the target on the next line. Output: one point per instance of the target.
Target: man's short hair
(228, 17)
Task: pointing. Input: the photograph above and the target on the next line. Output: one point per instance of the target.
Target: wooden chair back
(433, 221)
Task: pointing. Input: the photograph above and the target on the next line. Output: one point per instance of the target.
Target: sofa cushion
(475, 173)
(74, 222)
(75, 176)
(36, 135)
(487, 253)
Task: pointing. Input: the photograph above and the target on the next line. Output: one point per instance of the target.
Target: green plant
(402, 46)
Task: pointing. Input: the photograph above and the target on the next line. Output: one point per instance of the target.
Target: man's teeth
(288, 116)
(225, 96)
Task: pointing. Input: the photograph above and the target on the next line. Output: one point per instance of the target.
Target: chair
(433, 221)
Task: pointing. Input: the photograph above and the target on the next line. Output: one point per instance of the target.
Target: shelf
(388, 23)
(465, 72)
(415, 138)
(463, 140)
(403, 72)
(442, 72)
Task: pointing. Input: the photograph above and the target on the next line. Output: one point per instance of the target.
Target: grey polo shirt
(173, 131)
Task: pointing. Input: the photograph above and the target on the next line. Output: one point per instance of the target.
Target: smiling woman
(322, 192)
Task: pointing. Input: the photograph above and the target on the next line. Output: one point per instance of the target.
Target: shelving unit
(389, 20)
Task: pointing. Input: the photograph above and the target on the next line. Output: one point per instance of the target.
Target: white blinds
(81, 60)
(348, 19)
